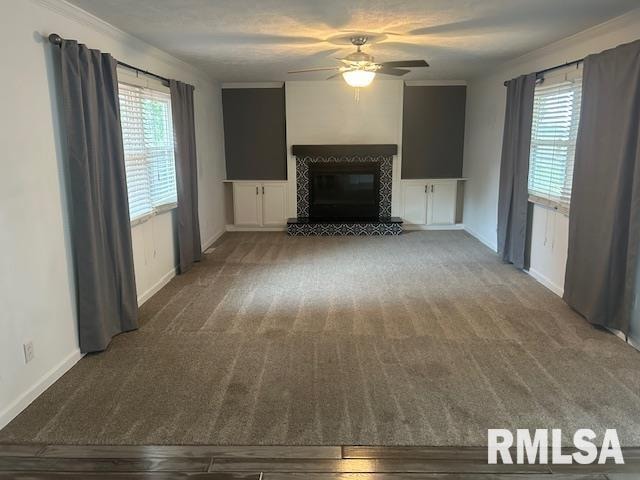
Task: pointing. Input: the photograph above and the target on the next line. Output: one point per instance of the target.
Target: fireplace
(344, 191)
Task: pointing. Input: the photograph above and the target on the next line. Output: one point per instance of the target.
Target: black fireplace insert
(344, 190)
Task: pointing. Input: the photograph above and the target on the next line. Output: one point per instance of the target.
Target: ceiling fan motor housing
(361, 65)
(359, 57)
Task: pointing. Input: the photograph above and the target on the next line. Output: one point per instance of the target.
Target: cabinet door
(414, 202)
(274, 204)
(247, 204)
(442, 203)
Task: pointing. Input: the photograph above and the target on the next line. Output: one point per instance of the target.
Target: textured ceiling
(260, 40)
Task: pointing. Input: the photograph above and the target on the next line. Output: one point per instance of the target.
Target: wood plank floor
(286, 463)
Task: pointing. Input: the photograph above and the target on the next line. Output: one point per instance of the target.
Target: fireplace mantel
(344, 150)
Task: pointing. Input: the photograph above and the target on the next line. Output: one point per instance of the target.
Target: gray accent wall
(255, 133)
(433, 131)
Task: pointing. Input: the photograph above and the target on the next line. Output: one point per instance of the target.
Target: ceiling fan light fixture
(359, 78)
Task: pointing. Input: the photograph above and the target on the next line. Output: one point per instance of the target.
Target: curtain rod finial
(55, 39)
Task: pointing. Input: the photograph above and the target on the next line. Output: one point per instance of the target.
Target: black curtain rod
(557, 67)
(57, 40)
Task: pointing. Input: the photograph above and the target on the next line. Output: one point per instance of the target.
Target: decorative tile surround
(308, 154)
(302, 178)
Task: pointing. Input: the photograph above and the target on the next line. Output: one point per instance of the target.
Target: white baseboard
(166, 278)
(634, 343)
(238, 228)
(492, 245)
(546, 281)
(48, 379)
(630, 340)
(412, 226)
(213, 239)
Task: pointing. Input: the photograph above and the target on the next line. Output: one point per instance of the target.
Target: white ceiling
(260, 40)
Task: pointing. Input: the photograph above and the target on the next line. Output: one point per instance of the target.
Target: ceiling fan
(358, 68)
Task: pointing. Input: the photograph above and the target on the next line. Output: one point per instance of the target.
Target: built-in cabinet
(260, 204)
(429, 202)
(424, 203)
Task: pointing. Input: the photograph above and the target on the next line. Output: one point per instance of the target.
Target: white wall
(486, 97)
(549, 247)
(37, 283)
(326, 112)
(155, 255)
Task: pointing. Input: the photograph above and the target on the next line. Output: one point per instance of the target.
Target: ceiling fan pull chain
(356, 94)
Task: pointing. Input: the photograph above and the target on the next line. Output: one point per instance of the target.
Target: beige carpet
(422, 339)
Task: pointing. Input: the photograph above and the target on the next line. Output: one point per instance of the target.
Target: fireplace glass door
(344, 191)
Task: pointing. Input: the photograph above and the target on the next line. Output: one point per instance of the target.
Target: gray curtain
(189, 248)
(101, 232)
(601, 279)
(514, 170)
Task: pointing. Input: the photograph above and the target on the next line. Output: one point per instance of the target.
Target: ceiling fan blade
(397, 72)
(334, 75)
(318, 69)
(406, 63)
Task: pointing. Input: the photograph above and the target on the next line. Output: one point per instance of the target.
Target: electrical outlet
(29, 352)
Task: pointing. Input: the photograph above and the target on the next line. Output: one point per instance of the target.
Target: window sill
(159, 210)
(549, 204)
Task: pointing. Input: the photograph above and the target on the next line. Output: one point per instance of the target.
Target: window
(147, 132)
(556, 115)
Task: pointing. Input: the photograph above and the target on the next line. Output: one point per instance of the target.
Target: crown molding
(434, 83)
(253, 85)
(82, 17)
(630, 18)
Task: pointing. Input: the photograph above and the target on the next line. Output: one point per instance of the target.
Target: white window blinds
(147, 132)
(556, 115)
